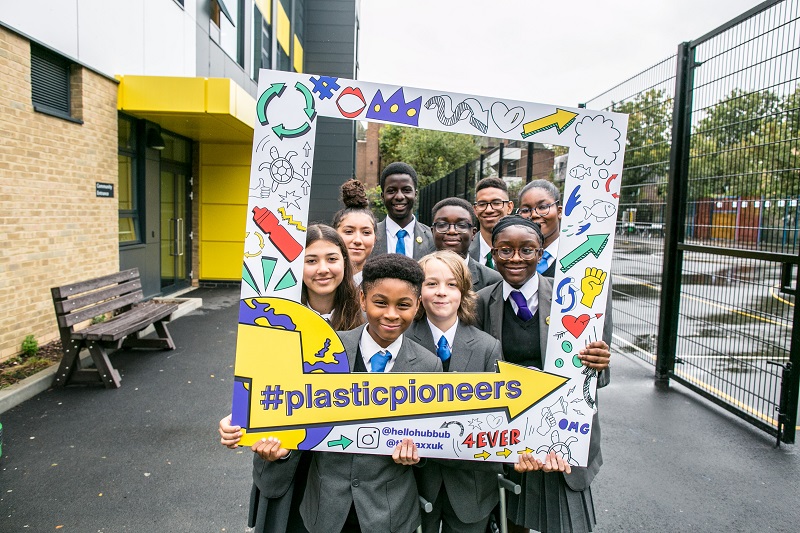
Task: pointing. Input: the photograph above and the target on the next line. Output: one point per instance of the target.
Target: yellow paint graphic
(282, 396)
(483, 455)
(504, 453)
(290, 220)
(260, 244)
(526, 450)
(560, 120)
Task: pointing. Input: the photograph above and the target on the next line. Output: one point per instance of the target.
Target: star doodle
(475, 424)
(290, 198)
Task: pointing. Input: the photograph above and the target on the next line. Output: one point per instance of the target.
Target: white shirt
(392, 228)
(485, 249)
(450, 334)
(553, 251)
(530, 291)
(369, 347)
(358, 277)
(326, 316)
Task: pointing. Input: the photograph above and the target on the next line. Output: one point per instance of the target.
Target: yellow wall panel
(225, 185)
(284, 29)
(222, 260)
(226, 154)
(298, 55)
(266, 9)
(223, 222)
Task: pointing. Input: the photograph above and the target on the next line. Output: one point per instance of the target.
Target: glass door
(175, 248)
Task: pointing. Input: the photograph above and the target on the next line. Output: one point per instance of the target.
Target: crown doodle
(395, 109)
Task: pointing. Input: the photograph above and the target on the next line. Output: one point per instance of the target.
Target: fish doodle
(600, 210)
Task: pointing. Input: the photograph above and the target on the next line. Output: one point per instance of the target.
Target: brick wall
(53, 229)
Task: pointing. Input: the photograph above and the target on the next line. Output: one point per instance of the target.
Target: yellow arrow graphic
(526, 450)
(270, 361)
(560, 120)
(484, 454)
(504, 453)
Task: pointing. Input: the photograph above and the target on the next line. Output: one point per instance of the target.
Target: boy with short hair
(453, 230)
(400, 232)
(491, 204)
(354, 492)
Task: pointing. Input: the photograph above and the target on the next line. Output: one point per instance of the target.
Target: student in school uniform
(400, 232)
(360, 492)
(453, 230)
(463, 493)
(516, 311)
(540, 201)
(356, 224)
(329, 290)
(491, 204)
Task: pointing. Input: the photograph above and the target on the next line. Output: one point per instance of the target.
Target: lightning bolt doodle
(290, 220)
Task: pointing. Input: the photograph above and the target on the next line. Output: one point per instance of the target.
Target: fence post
(675, 219)
(793, 378)
(500, 162)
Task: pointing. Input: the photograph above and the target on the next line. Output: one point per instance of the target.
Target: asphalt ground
(146, 457)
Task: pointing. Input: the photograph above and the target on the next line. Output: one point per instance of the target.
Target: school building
(127, 130)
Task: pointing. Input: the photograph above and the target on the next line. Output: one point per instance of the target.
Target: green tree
(433, 154)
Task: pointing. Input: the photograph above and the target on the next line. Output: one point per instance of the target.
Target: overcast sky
(559, 52)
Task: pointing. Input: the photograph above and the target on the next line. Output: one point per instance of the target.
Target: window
(262, 40)
(128, 181)
(50, 83)
(227, 15)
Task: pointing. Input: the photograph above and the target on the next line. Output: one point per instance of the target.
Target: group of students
(406, 297)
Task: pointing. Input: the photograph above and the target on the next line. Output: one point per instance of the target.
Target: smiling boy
(355, 492)
(400, 232)
(453, 230)
(491, 204)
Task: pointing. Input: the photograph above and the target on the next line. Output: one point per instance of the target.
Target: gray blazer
(482, 276)
(384, 493)
(475, 249)
(471, 486)
(421, 231)
(490, 316)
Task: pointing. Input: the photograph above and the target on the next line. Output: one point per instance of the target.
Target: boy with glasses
(491, 204)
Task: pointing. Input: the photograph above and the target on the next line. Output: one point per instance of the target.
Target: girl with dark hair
(540, 202)
(463, 494)
(328, 286)
(356, 224)
(555, 497)
(329, 290)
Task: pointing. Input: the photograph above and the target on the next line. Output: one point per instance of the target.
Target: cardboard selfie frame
(292, 376)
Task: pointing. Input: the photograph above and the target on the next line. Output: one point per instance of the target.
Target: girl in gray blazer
(516, 311)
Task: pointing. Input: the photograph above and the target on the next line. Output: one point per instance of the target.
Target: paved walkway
(146, 457)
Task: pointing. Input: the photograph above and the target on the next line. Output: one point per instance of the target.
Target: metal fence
(706, 257)
(719, 315)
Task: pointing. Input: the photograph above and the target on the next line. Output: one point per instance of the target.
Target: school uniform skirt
(548, 505)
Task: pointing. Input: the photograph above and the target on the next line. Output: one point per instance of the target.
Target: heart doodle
(494, 421)
(575, 325)
(505, 118)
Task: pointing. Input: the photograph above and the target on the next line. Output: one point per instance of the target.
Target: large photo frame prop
(292, 377)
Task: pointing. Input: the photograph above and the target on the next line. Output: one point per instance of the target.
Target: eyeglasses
(541, 210)
(525, 253)
(496, 204)
(444, 227)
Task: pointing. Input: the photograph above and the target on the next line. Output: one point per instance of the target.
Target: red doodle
(575, 325)
(277, 234)
(608, 184)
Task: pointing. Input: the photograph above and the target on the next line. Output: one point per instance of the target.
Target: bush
(29, 346)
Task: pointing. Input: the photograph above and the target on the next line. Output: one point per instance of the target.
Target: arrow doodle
(307, 148)
(504, 453)
(561, 120)
(342, 441)
(571, 290)
(483, 455)
(274, 90)
(594, 244)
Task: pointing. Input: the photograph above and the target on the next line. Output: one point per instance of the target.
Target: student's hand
(527, 463)
(405, 453)
(229, 435)
(596, 355)
(270, 449)
(555, 463)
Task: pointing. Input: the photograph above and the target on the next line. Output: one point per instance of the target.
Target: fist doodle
(592, 285)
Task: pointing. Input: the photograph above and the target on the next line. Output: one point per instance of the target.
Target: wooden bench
(121, 295)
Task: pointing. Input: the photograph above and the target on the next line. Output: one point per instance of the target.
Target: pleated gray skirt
(548, 505)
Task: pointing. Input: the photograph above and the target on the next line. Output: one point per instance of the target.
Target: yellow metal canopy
(203, 109)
